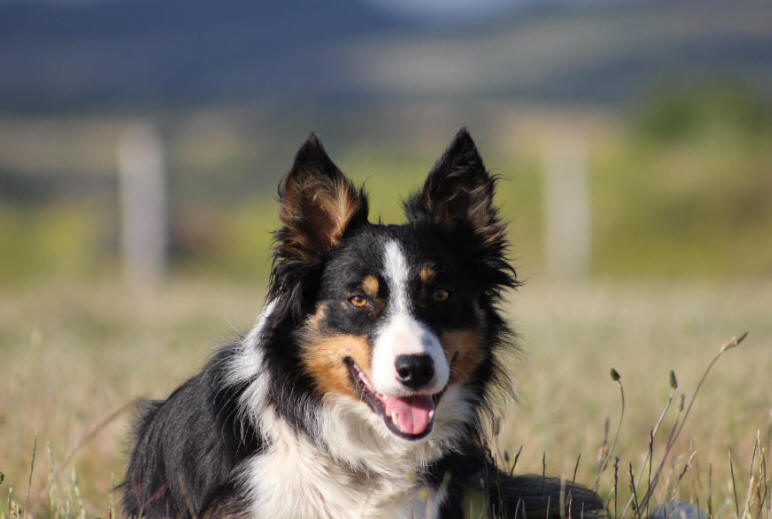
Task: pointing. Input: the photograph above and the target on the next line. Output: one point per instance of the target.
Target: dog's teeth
(394, 417)
(431, 414)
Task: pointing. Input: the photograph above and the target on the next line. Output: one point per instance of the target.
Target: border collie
(361, 390)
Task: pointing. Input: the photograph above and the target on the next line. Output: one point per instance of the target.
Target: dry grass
(574, 335)
(73, 354)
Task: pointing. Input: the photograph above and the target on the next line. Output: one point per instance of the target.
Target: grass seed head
(734, 341)
(673, 380)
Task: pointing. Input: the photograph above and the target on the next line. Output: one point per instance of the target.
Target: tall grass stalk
(616, 377)
(678, 427)
(31, 472)
(82, 443)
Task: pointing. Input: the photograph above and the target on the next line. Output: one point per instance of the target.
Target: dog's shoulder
(187, 445)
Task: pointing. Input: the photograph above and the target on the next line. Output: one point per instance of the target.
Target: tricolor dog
(361, 389)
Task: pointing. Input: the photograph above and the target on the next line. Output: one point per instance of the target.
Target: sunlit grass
(73, 354)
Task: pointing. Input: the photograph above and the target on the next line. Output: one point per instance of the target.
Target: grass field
(72, 354)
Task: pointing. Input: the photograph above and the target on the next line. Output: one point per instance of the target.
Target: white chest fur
(292, 479)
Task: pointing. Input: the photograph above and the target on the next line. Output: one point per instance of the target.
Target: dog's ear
(318, 205)
(459, 192)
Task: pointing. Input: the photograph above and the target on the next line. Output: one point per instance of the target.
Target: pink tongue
(409, 414)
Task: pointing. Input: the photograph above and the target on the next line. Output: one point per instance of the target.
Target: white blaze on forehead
(402, 333)
(396, 271)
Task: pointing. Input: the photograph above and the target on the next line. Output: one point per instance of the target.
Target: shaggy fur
(361, 389)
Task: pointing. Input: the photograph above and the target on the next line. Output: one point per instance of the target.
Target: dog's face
(395, 325)
(393, 316)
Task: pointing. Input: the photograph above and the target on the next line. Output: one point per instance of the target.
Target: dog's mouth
(410, 417)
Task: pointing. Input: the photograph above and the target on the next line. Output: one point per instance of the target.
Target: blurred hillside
(112, 55)
(667, 105)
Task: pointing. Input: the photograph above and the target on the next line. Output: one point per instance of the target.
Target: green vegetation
(682, 190)
(687, 193)
(686, 113)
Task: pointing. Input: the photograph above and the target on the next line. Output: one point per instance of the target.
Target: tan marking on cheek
(370, 286)
(323, 358)
(427, 274)
(464, 349)
(314, 321)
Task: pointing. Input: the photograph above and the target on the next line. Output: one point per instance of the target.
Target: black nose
(414, 371)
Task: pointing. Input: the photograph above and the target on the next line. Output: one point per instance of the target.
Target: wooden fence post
(143, 204)
(567, 207)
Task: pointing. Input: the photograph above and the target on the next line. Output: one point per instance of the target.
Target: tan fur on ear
(459, 191)
(315, 212)
(318, 204)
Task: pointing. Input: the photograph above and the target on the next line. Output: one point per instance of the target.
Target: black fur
(187, 446)
(471, 474)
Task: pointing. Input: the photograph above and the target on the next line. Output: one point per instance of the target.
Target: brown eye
(359, 300)
(440, 295)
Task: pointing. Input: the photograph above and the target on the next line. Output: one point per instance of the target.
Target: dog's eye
(440, 295)
(358, 300)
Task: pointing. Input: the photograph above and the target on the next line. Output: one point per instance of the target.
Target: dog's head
(394, 319)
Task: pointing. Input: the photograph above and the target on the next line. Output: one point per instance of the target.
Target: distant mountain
(130, 52)
(600, 53)
(126, 54)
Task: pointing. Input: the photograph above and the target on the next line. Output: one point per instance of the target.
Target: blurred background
(141, 143)
(648, 123)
